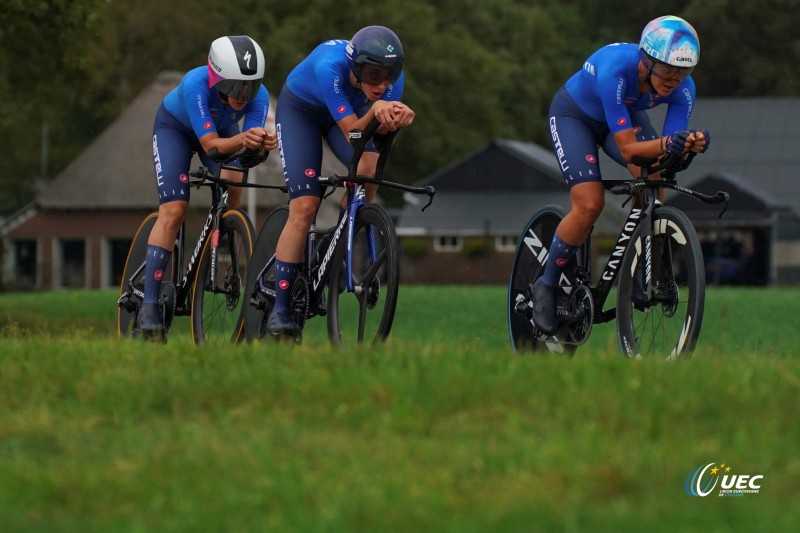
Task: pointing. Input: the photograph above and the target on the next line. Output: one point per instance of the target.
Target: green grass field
(443, 428)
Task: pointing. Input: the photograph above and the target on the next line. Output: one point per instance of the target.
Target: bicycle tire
(126, 316)
(528, 265)
(376, 283)
(258, 304)
(216, 307)
(671, 326)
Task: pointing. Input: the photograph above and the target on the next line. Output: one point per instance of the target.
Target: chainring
(167, 298)
(299, 301)
(581, 301)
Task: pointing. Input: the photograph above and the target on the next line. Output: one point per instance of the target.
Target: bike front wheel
(364, 314)
(218, 295)
(260, 297)
(668, 324)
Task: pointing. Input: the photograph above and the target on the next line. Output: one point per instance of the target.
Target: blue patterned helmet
(671, 40)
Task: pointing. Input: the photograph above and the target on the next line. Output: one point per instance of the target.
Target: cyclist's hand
(270, 140)
(384, 112)
(403, 114)
(678, 142)
(702, 140)
(254, 138)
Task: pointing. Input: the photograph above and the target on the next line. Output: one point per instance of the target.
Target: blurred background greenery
(476, 70)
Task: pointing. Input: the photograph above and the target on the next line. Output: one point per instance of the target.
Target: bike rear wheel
(258, 301)
(132, 285)
(217, 299)
(367, 313)
(668, 324)
(528, 265)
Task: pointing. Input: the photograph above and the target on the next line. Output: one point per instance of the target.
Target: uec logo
(703, 480)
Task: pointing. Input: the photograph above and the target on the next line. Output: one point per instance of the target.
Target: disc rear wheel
(528, 265)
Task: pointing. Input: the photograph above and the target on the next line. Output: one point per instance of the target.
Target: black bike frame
(184, 279)
(649, 190)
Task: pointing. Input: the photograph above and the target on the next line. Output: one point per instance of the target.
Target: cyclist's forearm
(629, 147)
(223, 145)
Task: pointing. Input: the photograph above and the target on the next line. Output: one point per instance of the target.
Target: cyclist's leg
(575, 141)
(300, 143)
(172, 153)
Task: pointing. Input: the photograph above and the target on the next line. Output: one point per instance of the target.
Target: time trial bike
(657, 259)
(356, 262)
(210, 287)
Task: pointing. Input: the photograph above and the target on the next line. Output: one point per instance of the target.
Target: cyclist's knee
(591, 208)
(302, 210)
(171, 214)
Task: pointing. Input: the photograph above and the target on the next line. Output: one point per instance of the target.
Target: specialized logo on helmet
(247, 57)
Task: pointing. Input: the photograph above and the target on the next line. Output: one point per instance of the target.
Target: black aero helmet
(236, 67)
(375, 45)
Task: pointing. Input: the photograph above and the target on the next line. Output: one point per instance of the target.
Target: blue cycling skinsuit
(189, 112)
(317, 94)
(602, 99)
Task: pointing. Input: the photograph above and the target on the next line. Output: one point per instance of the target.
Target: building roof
(116, 170)
(754, 156)
(495, 190)
(755, 144)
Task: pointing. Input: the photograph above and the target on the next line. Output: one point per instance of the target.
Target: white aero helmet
(671, 40)
(235, 67)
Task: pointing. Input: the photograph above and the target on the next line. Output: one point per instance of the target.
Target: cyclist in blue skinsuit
(340, 86)
(604, 105)
(202, 113)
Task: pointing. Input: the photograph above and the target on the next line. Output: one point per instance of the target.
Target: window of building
(71, 263)
(447, 243)
(117, 254)
(24, 263)
(505, 243)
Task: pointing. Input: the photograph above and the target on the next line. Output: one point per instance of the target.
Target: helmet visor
(669, 72)
(376, 75)
(241, 90)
